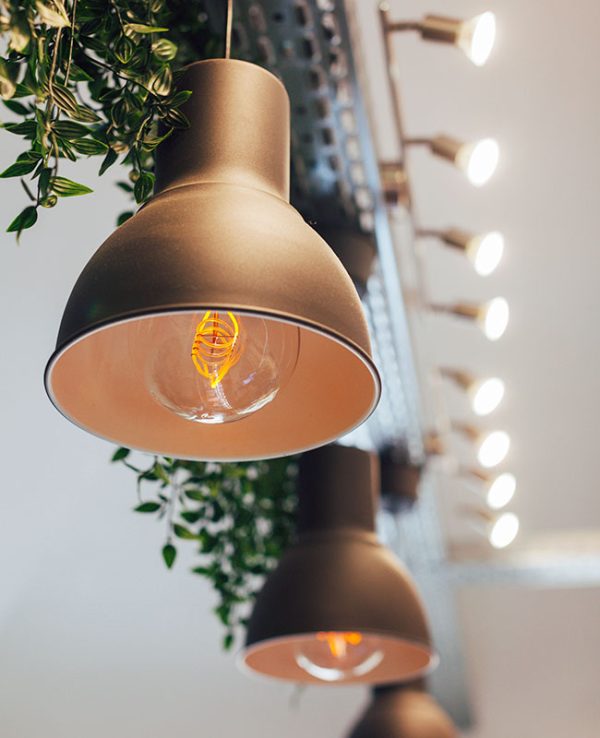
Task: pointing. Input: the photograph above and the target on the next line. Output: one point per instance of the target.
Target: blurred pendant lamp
(339, 608)
(403, 712)
(216, 302)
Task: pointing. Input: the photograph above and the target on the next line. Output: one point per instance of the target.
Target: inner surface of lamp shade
(338, 582)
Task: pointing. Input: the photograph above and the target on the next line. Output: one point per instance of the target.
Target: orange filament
(338, 642)
(217, 347)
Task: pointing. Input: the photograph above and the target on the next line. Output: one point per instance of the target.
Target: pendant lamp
(339, 608)
(216, 324)
(403, 712)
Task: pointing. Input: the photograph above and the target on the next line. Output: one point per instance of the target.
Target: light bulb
(485, 252)
(336, 656)
(217, 366)
(479, 160)
(504, 531)
(477, 37)
(494, 317)
(486, 395)
(493, 448)
(501, 491)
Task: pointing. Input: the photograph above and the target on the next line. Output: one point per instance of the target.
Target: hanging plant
(93, 78)
(240, 517)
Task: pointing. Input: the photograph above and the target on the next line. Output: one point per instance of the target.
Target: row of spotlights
(478, 161)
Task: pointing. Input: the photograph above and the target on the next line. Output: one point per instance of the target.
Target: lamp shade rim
(174, 310)
(428, 651)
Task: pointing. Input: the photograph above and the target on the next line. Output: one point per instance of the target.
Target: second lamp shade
(339, 608)
(216, 302)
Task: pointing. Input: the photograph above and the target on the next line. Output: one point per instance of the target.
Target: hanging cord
(228, 29)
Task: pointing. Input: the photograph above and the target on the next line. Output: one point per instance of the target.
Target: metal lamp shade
(337, 578)
(218, 235)
(403, 712)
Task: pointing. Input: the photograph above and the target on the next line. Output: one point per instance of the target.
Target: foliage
(93, 78)
(240, 516)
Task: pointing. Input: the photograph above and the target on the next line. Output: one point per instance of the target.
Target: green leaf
(180, 97)
(28, 128)
(70, 131)
(55, 17)
(110, 158)
(124, 217)
(120, 454)
(85, 115)
(148, 507)
(164, 49)
(228, 641)
(191, 517)
(67, 188)
(25, 219)
(143, 187)
(184, 533)
(142, 28)
(90, 146)
(16, 107)
(161, 83)
(160, 473)
(64, 98)
(18, 169)
(80, 75)
(169, 554)
(195, 495)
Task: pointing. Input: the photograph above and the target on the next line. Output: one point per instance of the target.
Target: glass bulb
(485, 252)
(493, 448)
(486, 395)
(477, 37)
(479, 160)
(501, 491)
(336, 656)
(494, 318)
(504, 531)
(217, 366)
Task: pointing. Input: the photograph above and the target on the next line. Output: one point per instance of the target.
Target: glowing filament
(216, 348)
(338, 642)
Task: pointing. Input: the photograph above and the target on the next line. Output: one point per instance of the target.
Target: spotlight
(492, 446)
(499, 490)
(484, 251)
(503, 530)
(403, 712)
(474, 37)
(478, 160)
(485, 394)
(492, 317)
(338, 608)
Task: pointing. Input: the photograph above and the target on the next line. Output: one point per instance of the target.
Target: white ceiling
(96, 638)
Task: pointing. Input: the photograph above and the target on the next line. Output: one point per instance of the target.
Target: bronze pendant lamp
(216, 302)
(339, 608)
(403, 711)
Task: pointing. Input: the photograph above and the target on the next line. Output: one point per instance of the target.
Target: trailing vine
(240, 516)
(93, 78)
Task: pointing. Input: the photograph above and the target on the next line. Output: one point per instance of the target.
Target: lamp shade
(403, 712)
(216, 302)
(339, 608)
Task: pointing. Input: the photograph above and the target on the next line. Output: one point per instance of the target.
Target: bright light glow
(501, 491)
(337, 656)
(493, 448)
(477, 37)
(494, 317)
(479, 160)
(485, 252)
(486, 395)
(504, 531)
(217, 367)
